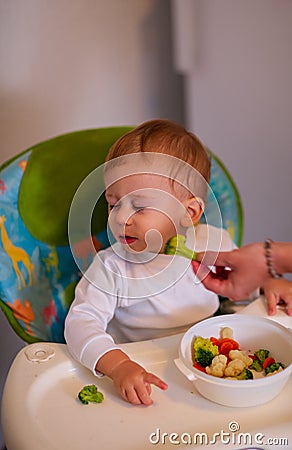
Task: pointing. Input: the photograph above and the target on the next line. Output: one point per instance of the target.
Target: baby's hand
(277, 290)
(134, 383)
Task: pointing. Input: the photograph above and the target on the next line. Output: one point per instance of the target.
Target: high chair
(38, 270)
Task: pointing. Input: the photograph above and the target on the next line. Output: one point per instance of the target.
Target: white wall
(67, 65)
(238, 74)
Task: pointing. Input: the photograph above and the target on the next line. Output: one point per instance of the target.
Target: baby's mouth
(127, 239)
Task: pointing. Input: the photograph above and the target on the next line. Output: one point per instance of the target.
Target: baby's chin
(143, 248)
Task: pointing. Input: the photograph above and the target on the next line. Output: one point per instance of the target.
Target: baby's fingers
(143, 390)
(153, 379)
(131, 395)
(138, 393)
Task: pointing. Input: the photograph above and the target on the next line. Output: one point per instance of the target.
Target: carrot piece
(235, 344)
(268, 361)
(199, 367)
(214, 341)
(225, 348)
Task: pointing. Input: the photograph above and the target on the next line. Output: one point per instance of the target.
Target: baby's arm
(131, 380)
(277, 289)
(92, 346)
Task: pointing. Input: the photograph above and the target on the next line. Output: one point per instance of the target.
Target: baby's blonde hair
(167, 137)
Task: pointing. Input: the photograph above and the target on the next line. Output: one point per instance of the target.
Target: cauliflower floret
(234, 368)
(242, 355)
(217, 366)
(226, 332)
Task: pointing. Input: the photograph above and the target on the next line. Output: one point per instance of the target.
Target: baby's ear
(194, 208)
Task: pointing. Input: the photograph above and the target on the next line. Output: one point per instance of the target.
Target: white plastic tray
(259, 308)
(40, 409)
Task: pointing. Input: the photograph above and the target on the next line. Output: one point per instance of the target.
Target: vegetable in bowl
(204, 351)
(223, 358)
(251, 333)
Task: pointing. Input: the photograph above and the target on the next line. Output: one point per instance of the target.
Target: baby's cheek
(154, 240)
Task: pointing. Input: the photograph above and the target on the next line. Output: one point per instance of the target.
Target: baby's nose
(124, 215)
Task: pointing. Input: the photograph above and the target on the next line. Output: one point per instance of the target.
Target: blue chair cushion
(38, 272)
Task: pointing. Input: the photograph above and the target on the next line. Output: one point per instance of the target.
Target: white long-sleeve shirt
(125, 297)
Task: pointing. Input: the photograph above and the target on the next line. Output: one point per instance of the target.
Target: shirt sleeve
(210, 238)
(227, 243)
(92, 309)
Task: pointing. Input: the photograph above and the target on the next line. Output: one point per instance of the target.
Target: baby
(156, 179)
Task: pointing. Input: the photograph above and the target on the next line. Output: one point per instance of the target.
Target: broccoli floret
(261, 354)
(245, 375)
(176, 246)
(204, 351)
(90, 393)
(274, 368)
(256, 365)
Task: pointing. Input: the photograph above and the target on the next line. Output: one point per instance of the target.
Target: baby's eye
(139, 208)
(110, 207)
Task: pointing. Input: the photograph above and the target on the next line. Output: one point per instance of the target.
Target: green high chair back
(38, 272)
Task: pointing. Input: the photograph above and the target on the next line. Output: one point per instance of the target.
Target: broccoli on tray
(90, 393)
(176, 246)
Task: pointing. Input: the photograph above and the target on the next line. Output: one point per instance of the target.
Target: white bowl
(252, 333)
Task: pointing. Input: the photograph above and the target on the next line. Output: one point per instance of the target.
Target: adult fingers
(213, 258)
(203, 271)
(287, 298)
(272, 301)
(289, 305)
(209, 279)
(200, 270)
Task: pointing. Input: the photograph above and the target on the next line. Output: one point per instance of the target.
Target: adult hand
(278, 290)
(238, 272)
(134, 383)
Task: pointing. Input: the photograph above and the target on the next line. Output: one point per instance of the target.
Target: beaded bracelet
(268, 255)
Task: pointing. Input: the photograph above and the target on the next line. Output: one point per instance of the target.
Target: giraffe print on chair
(23, 312)
(17, 255)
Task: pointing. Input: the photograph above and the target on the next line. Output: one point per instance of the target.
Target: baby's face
(144, 211)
